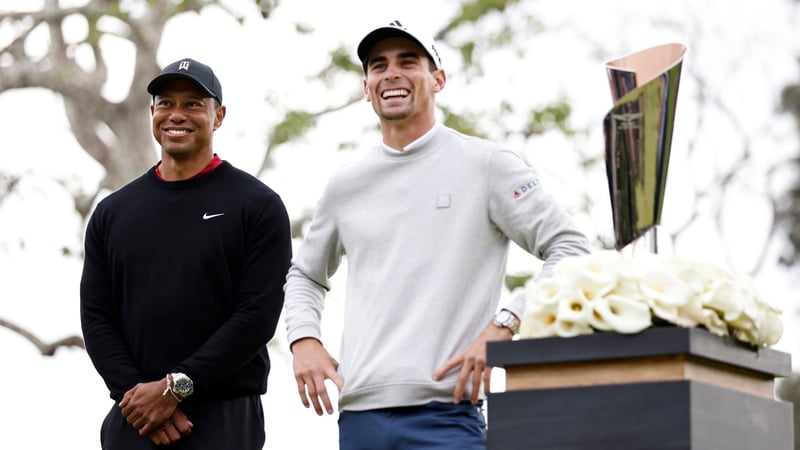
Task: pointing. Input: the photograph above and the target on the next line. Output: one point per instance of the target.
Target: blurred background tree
(788, 209)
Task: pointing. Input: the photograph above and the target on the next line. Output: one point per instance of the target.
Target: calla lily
(703, 279)
(770, 330)
(539, 321)
(567, 266)
(629, 288)
(572, 316)
(546, 291)
(691, 274)
(691, 314)
(715, 324)
(597, 273)
(728, 300)
(597, 321)
(664, 288)
(592, 284)
(568, 328)
(608, 292)
(622, 314)
(574, 309)
(663, 311)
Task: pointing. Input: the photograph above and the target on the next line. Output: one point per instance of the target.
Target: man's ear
(219, 116)
(439, 80)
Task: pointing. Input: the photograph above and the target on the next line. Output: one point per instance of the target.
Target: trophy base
(647, 243)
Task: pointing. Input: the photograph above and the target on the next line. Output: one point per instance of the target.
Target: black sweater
(185, 276)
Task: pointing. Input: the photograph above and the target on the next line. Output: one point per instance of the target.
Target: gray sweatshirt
(426, 233)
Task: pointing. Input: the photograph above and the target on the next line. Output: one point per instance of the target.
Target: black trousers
(219, 425)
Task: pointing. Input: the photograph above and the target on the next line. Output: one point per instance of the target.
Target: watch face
(504, 317)
(183, 385)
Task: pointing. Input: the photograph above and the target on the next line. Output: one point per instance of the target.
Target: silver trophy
(638, 136)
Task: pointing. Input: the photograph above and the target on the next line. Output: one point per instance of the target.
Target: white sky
(46, 402)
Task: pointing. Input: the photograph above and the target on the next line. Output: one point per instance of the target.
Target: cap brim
(154, 87)
(380, 34)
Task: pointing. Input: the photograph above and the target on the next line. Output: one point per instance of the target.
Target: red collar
(213, 164)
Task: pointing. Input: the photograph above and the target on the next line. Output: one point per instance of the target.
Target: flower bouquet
(608, 291)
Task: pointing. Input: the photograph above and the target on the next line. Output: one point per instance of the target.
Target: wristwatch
(507, 319)
(182, 385)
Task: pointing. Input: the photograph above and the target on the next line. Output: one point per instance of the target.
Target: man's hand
(312, 366)
(473, 363)
(144, 406)
(174, 429)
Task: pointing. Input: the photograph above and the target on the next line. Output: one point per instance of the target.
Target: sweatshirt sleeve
(528, 214)
(308, 279)
(100, 316)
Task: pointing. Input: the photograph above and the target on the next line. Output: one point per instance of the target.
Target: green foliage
(473, 11)
(517, 281)
(293, 126)
(340, 58)
(460, 122)
(554, 115)
(304, 29)
(467, 51)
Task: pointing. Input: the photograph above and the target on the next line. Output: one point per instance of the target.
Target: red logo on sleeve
(525, 188)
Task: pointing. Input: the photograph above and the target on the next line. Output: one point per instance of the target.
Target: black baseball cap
(193, 70)
(397, 29)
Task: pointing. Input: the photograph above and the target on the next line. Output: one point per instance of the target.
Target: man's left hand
(144, 406)
(473, 363)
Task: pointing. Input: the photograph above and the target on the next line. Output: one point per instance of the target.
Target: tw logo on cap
(184, 65)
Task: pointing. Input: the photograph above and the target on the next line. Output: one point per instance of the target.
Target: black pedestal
(666, 388)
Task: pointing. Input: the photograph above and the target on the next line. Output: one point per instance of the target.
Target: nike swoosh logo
(207, 216)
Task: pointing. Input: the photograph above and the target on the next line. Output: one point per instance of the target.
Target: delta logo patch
(525, 188)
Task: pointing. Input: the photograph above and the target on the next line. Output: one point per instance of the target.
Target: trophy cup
(638, 136)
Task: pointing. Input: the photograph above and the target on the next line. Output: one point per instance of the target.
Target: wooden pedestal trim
(637, 370)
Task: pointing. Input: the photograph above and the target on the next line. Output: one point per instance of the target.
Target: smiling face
(184, 120)
(400, 83)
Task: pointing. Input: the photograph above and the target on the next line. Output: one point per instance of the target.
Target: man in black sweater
(182, 283)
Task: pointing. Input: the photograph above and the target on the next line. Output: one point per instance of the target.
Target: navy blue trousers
(436, 425)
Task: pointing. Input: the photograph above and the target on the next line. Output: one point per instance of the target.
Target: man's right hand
(312, 366)
(176, 427)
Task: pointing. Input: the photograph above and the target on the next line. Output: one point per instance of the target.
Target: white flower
(693, 313)
(592, 283)
(568, 328)
(546, 291)
(608, 292)
(770, 330)
(664, 288)
(574, 308)
(727, 299)
(572, 315)
(539, 320)
(620, 314)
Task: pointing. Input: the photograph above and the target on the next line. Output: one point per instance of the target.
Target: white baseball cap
(397, 29)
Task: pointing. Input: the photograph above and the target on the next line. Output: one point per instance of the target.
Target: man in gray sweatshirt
(425, 221)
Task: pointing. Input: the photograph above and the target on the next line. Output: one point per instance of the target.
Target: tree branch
(44, 348)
